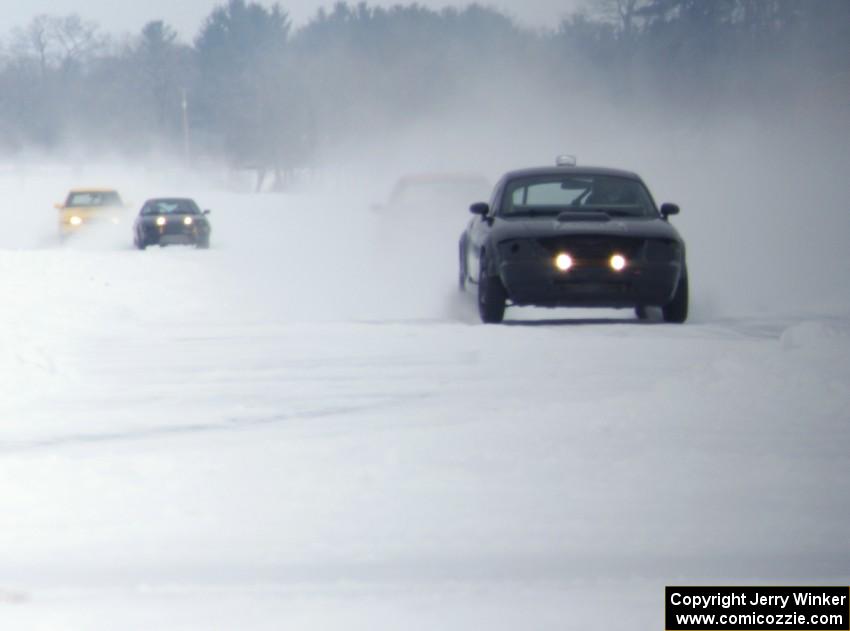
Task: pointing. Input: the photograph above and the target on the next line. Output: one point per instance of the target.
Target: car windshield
(93, 198)
(171, 207)
(554, 194)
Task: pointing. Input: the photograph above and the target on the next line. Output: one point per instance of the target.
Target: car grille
(174, 227)
(593, 248)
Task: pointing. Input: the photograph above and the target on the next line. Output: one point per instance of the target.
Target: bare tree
(58, 41)
(625, 14)
(35, 41)
(77, 39)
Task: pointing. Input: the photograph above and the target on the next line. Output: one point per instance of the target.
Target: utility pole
(185, 106)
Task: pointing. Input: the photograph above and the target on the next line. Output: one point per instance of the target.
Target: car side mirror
(480, 208)
(207, 212)
(59, 206)
(669, 209)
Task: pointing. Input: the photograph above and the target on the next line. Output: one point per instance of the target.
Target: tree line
(252, 89)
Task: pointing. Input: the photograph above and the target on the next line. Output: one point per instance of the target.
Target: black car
(570, 236)
(167, 221)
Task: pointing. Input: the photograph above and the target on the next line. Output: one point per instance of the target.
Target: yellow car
(88, 206)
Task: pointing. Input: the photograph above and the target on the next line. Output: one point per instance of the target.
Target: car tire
(642, 312)
(203, 244)
(491, 296)
(141, 243)
(676, 310)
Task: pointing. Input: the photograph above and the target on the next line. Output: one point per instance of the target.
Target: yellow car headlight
(161, 221)
(75, 220)
(187, 221)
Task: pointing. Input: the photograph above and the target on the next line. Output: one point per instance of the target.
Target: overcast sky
(121, 16)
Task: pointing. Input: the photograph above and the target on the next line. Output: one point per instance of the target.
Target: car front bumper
(67, 228)
(540, 283)
(179, 235)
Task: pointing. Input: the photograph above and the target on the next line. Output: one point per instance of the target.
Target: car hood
(539, 227)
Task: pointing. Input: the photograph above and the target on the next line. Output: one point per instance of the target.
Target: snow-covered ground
(305, 427)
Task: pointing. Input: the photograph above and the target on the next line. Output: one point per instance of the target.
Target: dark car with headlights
(170, 221)
(569, 236)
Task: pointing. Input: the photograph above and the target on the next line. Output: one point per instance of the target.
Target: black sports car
(574, 236)
(167, 221)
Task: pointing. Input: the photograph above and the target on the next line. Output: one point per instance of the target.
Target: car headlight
(187, 221)
(161, 221)
(75, 220)
(563, 261)
(618, 262)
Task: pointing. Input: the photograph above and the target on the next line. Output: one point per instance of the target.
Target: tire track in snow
(231, 424)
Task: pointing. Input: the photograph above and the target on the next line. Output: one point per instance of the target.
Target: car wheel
(203, 244)
(642, 312)
(677, 309)
(491, 296)
(140, 243)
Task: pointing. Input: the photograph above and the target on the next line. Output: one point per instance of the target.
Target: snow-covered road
(305, 427)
